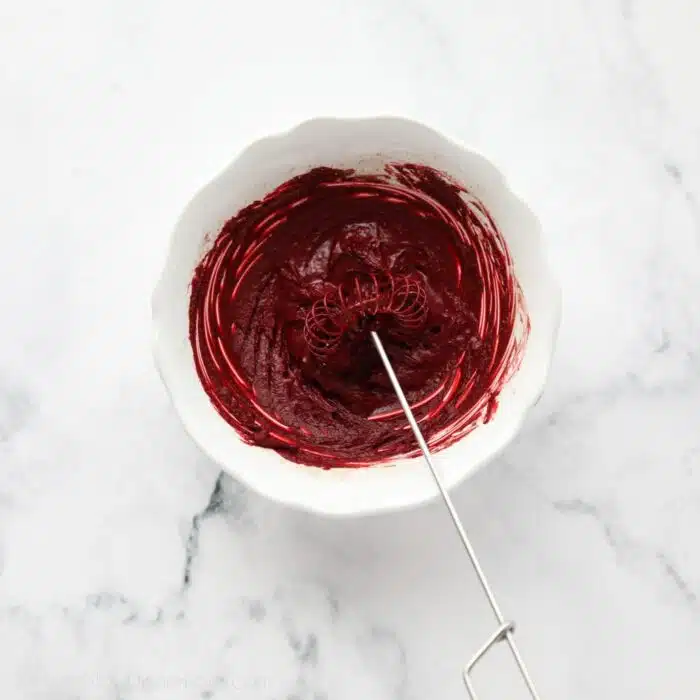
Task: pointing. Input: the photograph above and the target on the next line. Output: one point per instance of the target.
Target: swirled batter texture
(282, 305)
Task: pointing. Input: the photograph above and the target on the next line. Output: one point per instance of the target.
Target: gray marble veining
(130, 568)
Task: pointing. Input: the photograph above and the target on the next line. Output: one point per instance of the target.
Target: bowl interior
(364, 145)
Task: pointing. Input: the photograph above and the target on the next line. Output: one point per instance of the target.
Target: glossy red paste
(409, 254)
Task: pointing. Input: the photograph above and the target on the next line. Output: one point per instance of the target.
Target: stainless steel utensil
(505, 630)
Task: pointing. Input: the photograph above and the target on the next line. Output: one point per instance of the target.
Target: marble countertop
(131, 569)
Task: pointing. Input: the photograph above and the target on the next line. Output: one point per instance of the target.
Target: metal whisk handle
(505, 631)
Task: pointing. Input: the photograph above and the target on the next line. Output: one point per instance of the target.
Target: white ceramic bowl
(255, 172)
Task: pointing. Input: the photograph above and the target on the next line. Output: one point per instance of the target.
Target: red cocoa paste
(323, 231)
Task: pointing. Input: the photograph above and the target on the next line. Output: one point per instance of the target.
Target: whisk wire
(403, 297)
(505, 631)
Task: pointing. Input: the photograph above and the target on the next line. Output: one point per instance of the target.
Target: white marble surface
(131, 570)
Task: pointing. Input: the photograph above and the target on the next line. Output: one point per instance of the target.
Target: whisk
(505, 631)
(346, 306)
(405, 299)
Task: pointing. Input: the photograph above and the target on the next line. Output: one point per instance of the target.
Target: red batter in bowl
(282, 305)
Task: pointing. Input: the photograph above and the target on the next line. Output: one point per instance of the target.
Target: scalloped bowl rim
(340, 492)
